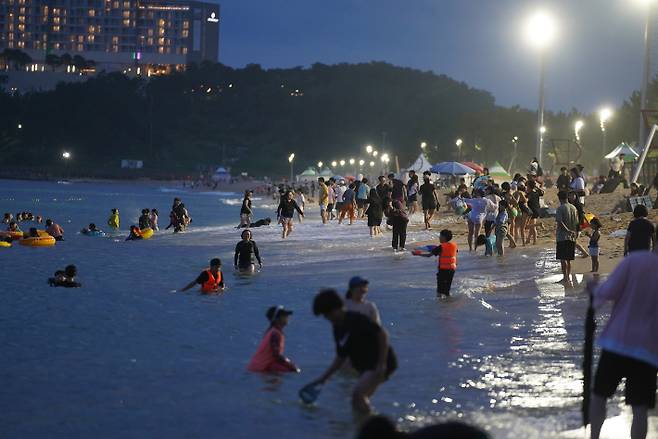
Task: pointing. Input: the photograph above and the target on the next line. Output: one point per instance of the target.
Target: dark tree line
(251, 119)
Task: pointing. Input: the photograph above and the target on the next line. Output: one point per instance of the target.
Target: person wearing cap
(360, 340)
(269, 354)
(211, 279)
(355, 299)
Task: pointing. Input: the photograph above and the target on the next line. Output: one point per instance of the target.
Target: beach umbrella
(474, 166)
(590, 329)
(338, 177)
(451, 168)
(630, 154)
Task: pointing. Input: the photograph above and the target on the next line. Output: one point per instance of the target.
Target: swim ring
(146, 233)
(5, 244)
(41, 241)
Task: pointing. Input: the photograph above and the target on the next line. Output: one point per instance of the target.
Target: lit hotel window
(126, 22)
(184, 50)
(21, 11)
(126, 14)
(91, 29)
(126, 5)
(56, 46)
(185, 33)
(186, 24)
(161, 31)
(115, 40)
(92, 13)
(150, 41)
(90, 38)
(21, 27)
(56, 20)
(80, 47)
(150, 32)
(115, 5)
(11, 37)
(161, 41)
(55, 28)
(21, 44)
(10, 44)
(81, 38)
(115, 48)
(160, 49)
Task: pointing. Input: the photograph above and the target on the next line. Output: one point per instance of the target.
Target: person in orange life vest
(269, 354)
(135, 234)
(211, 279)
(447, 253)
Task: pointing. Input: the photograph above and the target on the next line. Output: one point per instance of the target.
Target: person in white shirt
(578, 185)
(301, 202)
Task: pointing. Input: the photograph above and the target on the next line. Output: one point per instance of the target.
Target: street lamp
(369, 149)
(342, 163)
(66, 155)
(372, 164)
(646, 74)
(459, 143)
(20, 126)
(540, 32)
(423, 145)
(576, 128)
(334, 164)
(604, 116)
(375, 153)
(291, 157)
(351, 161)
(320, 165)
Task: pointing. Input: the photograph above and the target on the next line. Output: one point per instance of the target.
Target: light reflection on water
(125, 357)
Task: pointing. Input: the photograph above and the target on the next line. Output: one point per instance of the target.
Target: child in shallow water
(593, 248)
(269, 354)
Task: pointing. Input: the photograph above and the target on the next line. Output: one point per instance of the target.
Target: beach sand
(601, 205)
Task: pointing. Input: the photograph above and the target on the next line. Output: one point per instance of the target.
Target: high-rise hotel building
(115, 34)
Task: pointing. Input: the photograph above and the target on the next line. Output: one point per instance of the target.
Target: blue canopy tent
(451, 168)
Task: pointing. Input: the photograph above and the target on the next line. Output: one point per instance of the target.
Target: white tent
(308, 175)
(625, 149)
(419, 166)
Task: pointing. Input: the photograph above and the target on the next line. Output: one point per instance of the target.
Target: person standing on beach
(563, 180)
(566, 219)
(628, 342)
(500, 226)
(480, 207)
(360, 340)
(447, 253)
(349, 205)
(578, 184)
(375, 213)
(285, 213)
(412, 192)
(323, 199)
(246, 213)
(398, 219)
(301, 202)
(429, 199)
(331, 190)
(362, 198)
(398, 189)
(641, 232)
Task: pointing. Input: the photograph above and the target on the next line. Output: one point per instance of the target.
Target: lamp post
(361, 163)
(540, 32)
(352, 162)
(576, 129)
(646, 73)
(385, 159)
(459, 143)
(334, 164)
(320, 166)
(369, 149)
(291, 158)
(66, 156)
(604, 116)
(342, 163)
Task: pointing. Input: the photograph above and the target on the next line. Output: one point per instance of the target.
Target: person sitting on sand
(54, 230)
(355, 299)
(362, 341)
(65, 278)
(113, 220)
(269, 354)
(245, 252)
(135, 234)
(211, 279)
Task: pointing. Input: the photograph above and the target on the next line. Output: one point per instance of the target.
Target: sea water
(126, 356)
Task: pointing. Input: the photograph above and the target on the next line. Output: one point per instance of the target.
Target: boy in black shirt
(362, 341)
(640, 232)
(245, 251)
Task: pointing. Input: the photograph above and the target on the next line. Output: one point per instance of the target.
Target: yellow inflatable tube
(41, 241)
(146, 233)
(5, 244)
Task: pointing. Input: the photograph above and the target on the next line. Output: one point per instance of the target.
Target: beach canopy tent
(221, 175)
(451, 168)
(623, 148)
(474, 166)
(326, 173)
(497, 171)
(419, 166)
(308, 175)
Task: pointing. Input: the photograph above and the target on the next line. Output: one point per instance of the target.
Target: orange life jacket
(448, 257)
(212, 284)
